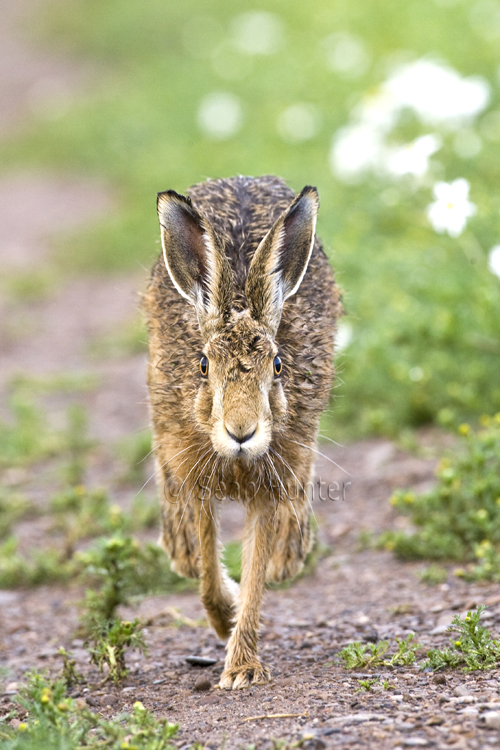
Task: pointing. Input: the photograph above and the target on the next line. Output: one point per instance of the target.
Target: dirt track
(353, 595)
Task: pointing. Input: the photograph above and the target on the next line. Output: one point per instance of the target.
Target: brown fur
(214, 301)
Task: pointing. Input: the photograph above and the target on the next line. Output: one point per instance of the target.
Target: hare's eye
(204, 366)
(277, 367)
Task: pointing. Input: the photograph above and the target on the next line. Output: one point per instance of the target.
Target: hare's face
(240, 401)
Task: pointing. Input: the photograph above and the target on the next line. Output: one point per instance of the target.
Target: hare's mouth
(248, 442)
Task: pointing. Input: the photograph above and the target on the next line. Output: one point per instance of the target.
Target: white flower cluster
(438, 96)
(451, 207)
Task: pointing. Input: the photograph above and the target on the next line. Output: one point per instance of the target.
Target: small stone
(439, 679)
(200, 661)
(15, 723)
(435, 721)
(109, 700)
(492, 719)
(202, 684)
(461, 691)
(415, 742)
(91, 701)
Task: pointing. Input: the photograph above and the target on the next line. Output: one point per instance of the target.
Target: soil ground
(353, 593)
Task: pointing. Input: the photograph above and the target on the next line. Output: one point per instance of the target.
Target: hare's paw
(244, 676)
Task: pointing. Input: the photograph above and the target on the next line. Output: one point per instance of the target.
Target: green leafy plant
(366, 685)
(70, 675)
(434, 575)
(472, 647)
(108, 642)
(460, 518)
(47, 566)
(359, 655)
(56, 722)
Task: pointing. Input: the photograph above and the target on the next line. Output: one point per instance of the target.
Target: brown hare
(241, 311)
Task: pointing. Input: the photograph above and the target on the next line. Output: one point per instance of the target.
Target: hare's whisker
(162, 467)
(300, 485)
(288, 496)
(323, 456)
(325, 437)
(212, 452)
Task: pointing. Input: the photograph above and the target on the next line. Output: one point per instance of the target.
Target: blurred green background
(186, 91)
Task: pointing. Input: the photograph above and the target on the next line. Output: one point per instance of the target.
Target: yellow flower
(22, 726)
(138, 706)
(459, 572)
(80, 489)
(458, 643)
(464, 429)
(485, 420)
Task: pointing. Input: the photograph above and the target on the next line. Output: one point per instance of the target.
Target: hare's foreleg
(243, 667)
(218, 592)
(293, 540)
(179, 536)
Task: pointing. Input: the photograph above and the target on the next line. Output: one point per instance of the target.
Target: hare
(241, 311)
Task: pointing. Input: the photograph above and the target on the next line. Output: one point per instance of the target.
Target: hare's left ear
(281, 259)
(195, 261)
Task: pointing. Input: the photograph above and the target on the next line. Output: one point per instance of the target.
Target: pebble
(461, 691)
(202, 684)
(492, 719)
(415, 742)
(439, 679)
(200, 661)
(109, 700)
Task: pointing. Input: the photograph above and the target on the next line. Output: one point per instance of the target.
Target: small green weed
(13, 507)
(56, 722)
(366, 685)
(359, 655)
(471, 648)
(47, 566)
(460, 518)
(434, 575)
(108, 642)
(120, 568)
(70, 675)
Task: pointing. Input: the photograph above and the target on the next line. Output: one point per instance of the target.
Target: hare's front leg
(218, 592)
(243, 667)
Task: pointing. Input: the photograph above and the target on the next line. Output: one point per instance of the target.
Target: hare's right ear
(197, 265)
(280, 261)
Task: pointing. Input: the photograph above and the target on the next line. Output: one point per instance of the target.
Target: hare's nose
(237, 435)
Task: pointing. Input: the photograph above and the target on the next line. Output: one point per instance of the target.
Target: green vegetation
(472, 647)
(460, 518)
(120, 568)
(359, 655)
(434, 575)
(182, 91)
(57, 722)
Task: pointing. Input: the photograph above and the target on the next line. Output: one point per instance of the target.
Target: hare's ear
(196, 263)
(280, 261)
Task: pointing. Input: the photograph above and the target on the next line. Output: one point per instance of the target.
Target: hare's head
(240, 400)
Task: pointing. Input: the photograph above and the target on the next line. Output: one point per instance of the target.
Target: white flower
(494, 260)
(346, 54)
(258, 32)
(452, 207)
(413, 158)
(437, 93)
(343, 336)
(220, 115)
(355, 150)
(299, 123)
